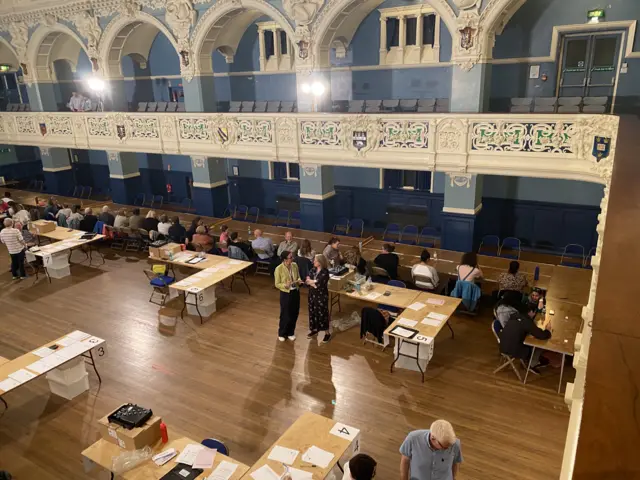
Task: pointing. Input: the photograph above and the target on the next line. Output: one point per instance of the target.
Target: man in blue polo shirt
(432, 454)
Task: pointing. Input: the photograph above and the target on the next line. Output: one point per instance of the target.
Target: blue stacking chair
(573, 256)
(185, 204)
(409, 235)
(139, 200)
(490, 245)
(294, 219)
(428, 237)
(157, 201)
(241, 212)
(356, 227)
(341, 227)
(587, 258)
(282, 218)
(512, 246)
(230, 211)
(215, 444)
(160, 284)
(392, 283)
(391, 233)
(253, 214)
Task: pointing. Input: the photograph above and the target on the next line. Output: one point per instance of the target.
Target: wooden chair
(507, 361)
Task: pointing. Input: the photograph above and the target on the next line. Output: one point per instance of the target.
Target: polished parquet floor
(233, 380)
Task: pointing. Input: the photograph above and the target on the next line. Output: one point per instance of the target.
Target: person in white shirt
(423, 274)
(65, 210)
(21, 215)
(121, 220)
(360, 467)
(76, 102)
(7, 197)
(163, 225)
(12, 238)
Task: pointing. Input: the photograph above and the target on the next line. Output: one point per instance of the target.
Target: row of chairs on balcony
(420, 105)
(409, 235)
(559, 105)
(573, 254)
(161, 107)
(272, 106)
(18, 107)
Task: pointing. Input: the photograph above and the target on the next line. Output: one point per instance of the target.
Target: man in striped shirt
(12, 238)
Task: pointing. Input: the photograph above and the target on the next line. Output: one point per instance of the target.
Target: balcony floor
(231, 379)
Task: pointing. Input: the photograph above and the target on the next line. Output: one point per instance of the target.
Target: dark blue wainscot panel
(379, 207)
(21, 171)
(540, 225)
(210, 202)
(262, 193)
(458, 232)
(317, 214)
(125, 190)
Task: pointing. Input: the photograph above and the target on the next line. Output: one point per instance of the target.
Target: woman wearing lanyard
(287, 281)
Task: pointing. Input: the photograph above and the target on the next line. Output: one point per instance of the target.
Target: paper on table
(8, 384)
(41, 366)
(374, 295)
(22, 375)
(317, 456)
(435, 301)
(223, 471)
(235, 262)
(407, 323)
(43, 352)
(66, 341)
(417, 306)
(189, 454)
(205, 458)
(431, 323)
(402, 332)
(265, 473)
(283, 455)
(437, 316)
(297, 474)
(78, 335)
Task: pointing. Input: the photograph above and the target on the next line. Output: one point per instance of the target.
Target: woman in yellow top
(288, 282)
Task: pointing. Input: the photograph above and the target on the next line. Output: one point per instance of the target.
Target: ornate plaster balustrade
(553, 146)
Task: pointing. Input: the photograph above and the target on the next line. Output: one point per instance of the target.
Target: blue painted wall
(356, 177)
(90, 168)
(536, 189)
(156, 171)
(20, 163)
(528, 34)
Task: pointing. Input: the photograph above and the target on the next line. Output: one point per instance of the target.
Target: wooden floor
(233, 380)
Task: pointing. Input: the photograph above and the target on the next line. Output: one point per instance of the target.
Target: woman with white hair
(150, 223)
(431, 454)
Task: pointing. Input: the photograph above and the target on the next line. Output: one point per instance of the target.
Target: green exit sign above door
(596, 15)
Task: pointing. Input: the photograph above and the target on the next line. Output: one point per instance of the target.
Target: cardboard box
(173, 248)
(43, 226)
(132, 439)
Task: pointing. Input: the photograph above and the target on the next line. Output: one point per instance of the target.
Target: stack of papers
(407, 323)
(265, 473)
(205, 458)
(318, 457)
(373, 295)
(300, 474)
(223, 471)
(430, 322)
(8, 384)
(402, 332)
(22, 375)
(437, 316)
(417, 306)
(435, 301)
(190, 453)
(78, 335)
(66, 341)
(283, 455)
(43, 352)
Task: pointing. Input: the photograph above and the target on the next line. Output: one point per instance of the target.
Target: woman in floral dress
(318, 281)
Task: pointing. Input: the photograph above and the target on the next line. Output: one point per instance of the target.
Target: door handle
(585, 81)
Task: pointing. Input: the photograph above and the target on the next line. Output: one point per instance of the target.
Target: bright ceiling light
(317, 89)
(96, 84)
(306, 88)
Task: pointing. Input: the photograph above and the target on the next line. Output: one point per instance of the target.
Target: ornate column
(263, 50)
(200, 94)
(276, 46)
(383, 40)
(419, 22)
(462, 204)
(124, 177)
(209, 192)
(402, 42)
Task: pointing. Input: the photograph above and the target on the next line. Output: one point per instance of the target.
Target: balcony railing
(553, 146)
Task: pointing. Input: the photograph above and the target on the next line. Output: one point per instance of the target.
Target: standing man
(76, 102)
(12, 238)
(432, 454)
(288, 281)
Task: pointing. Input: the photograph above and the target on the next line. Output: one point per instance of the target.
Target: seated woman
(332, 252)
(424, 275)
(201, 240)
(388, 260)
(468, 274)
(306, 250)
(512, 280)
(510, 303)
(223, 242)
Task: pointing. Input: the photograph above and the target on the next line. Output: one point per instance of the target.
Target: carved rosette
(451, 134)
(199, 162)
(462, 180)
(309, 170)
(285, 131)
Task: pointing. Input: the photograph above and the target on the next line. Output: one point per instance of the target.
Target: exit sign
(596, 14)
